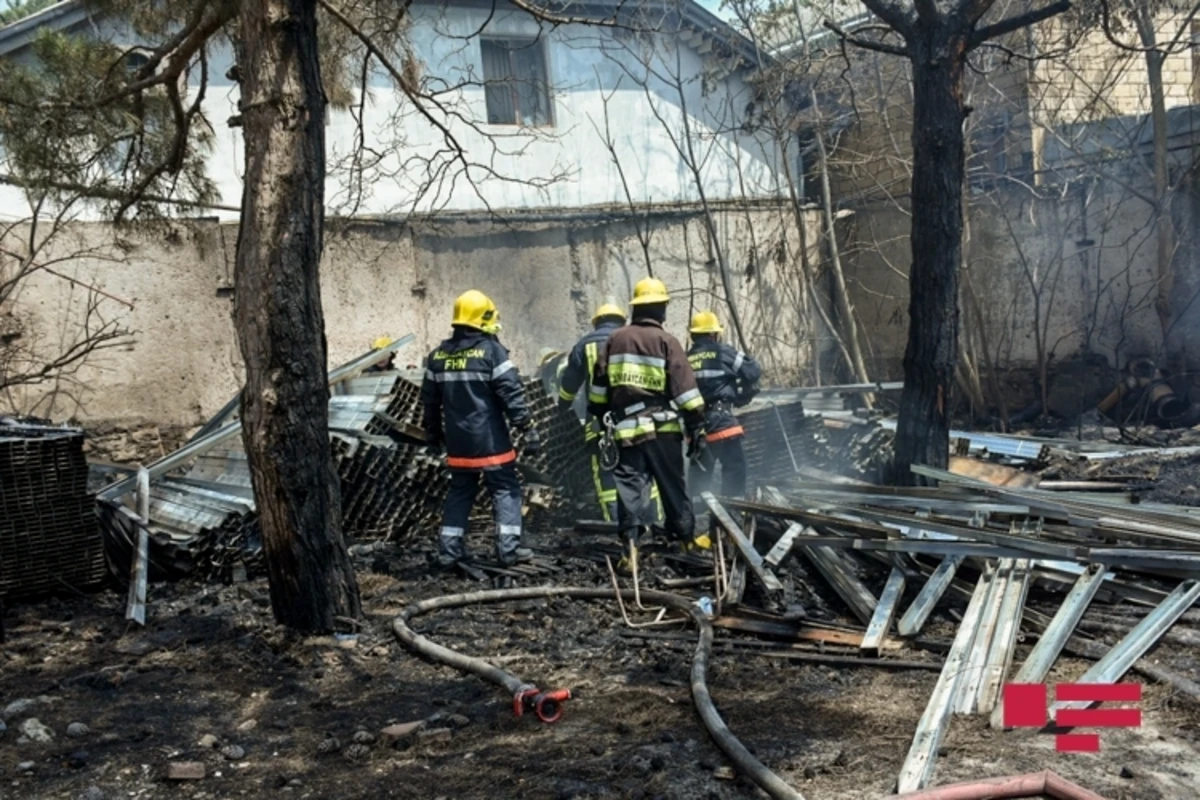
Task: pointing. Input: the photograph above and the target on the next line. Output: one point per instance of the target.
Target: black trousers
(606, 487)
(659, 461)
(504, 487)
(732, 458)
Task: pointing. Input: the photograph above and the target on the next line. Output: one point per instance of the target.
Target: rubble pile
(48, 534)
(203, 522)
(1030, 556)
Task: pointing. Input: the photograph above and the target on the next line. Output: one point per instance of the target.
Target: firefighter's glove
(698, 447)
(533, 442)
(434, 444)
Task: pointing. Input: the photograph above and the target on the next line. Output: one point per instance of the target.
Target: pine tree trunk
(285, 404)
(923, 433)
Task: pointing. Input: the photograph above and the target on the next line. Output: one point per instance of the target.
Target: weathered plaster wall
(641, 84)
(546, 277)
(1082, 266)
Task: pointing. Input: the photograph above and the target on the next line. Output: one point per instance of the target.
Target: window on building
(515, 82)
(135, 61)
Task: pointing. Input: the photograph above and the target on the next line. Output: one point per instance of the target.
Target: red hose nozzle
(546, 706)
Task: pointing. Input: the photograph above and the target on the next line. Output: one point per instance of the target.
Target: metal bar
(918, 613)
(1145, 634)
(753, 560)
(786, 440)
(972, 676)
(885, 610)
(135, 609)
(784, 546)
(839, 576)
(198, 446)
(218, 419)
(1004, 642)
(1050, 644)
(1064, 552)
(836, 572)
(918, 764)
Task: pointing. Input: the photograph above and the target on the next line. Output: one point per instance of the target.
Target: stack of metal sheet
(563, 457)
(774, 435)
(48, 535)
(202, 519)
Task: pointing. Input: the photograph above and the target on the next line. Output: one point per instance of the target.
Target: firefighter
(389, 363)
(643, 378)
(470, 386)
(728, 379)
(577, 369)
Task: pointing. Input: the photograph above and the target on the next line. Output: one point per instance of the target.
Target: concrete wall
(1082, 266)
(546, 276)
(411, 165)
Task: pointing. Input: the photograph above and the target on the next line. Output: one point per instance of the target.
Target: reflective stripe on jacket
(727, 378)
(581, 366)
(643, 377)
(470, 386)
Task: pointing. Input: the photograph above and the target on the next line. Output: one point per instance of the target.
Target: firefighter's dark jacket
(727, 378)
(643, 376)
(470, 386)
(581, 363)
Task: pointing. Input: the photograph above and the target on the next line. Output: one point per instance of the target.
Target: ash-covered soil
(212, 679)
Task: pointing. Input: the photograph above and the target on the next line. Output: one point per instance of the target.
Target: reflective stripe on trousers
(505, 489)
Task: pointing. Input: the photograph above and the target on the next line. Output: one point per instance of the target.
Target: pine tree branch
(1016, 23)
(97, 192)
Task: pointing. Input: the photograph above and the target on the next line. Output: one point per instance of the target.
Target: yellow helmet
(649, 290)
(474, 309)
(705, 322)
(381, 342)
(608, 310)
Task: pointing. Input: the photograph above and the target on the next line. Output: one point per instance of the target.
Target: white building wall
(411, 168)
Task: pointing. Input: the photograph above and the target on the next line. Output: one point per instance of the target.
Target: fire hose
(548, 705)
(1035, 784)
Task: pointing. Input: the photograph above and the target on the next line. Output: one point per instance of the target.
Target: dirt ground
(212, 679)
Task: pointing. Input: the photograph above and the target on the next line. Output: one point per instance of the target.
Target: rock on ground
(33, 730)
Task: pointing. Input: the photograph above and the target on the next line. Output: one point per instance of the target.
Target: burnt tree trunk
(281, 331)
(923, 432)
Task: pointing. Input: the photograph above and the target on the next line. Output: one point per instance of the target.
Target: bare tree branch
(866, 44)
(1016, 23)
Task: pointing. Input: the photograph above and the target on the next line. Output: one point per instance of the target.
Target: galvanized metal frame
(917, 769)
(1138, 641)
(198, 446)
(1004, 639)
(744, 546)
(1055, 637)
(885, 610)
(935, 586)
